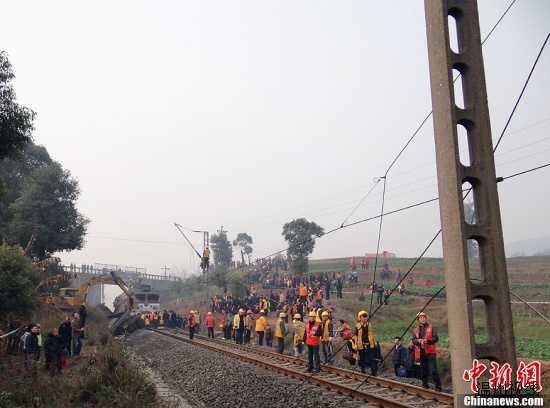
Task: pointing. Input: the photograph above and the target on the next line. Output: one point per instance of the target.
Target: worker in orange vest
(424, 339)
(303, 292)
(319, 298)
(210, 323)
(313, 341)
(191, 324)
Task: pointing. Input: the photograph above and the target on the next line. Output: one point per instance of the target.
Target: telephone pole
(480, 175)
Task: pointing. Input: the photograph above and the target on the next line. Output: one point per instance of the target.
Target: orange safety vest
(346, 331)
(312, 341)
(303, 291)
(210, 321)
(430, 348)
(319, 295)
(191, 321)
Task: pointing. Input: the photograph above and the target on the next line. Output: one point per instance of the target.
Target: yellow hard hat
(262, 311)
(421, 314)
(282, 315)
(324, 314)
(362, 313)
(312, 314)
(297, 316)
(209, 313)
(192, 312)
(241, 311)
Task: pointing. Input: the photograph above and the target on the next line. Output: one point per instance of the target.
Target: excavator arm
(125, 289)
(83, 290)
(128, 320)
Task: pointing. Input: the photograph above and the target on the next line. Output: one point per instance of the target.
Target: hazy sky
(250, 114)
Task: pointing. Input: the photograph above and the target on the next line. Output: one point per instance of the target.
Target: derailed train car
(129, 307)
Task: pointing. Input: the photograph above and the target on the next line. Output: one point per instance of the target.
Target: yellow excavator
(122, 322)
(75, 296)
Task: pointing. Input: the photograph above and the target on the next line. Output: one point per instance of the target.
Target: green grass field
(528, 279)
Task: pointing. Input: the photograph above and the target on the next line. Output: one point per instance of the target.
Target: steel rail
(379, 381)
(400, 391)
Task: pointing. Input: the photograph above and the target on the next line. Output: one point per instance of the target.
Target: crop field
(528, 281)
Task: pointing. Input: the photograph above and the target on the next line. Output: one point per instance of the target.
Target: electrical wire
(522, 91)
(466, 191)
(389, 352)
(376, 181)
(404, 148)
(438, 233)
(498, 22)
(431, 112)
(276, 223)
(499, 179)
(379, 235)
(135, 240)
(398, 210)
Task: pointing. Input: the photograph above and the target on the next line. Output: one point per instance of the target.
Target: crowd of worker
(313, 329)
(56, 347)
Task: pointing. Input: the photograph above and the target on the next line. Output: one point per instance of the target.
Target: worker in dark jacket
(76, 332)
(410, 364)
(83, 314)
(399, 355)
(32, 351)
(65, 333)
(53, 348)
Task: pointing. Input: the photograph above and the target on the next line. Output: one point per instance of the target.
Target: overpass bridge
(132, 277)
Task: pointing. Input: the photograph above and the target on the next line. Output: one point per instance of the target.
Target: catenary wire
(390, 165)
(499, 179)
(522, 91)
(431, 112)
(399, 155)
(466, 191)
(408, 207)
(276, 222)
(417, 130)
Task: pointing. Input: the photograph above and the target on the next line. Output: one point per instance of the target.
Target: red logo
(528, 375)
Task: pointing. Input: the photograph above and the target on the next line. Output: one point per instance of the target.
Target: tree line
(38, 214)
(299, 234)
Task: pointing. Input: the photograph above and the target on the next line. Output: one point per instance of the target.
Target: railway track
(381, 392)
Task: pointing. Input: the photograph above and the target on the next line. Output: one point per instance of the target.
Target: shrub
(109, 379)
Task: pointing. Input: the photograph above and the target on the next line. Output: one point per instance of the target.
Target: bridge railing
(134, 275)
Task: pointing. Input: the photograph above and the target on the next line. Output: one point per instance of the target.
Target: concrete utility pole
(453, 176)
(206, 239)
